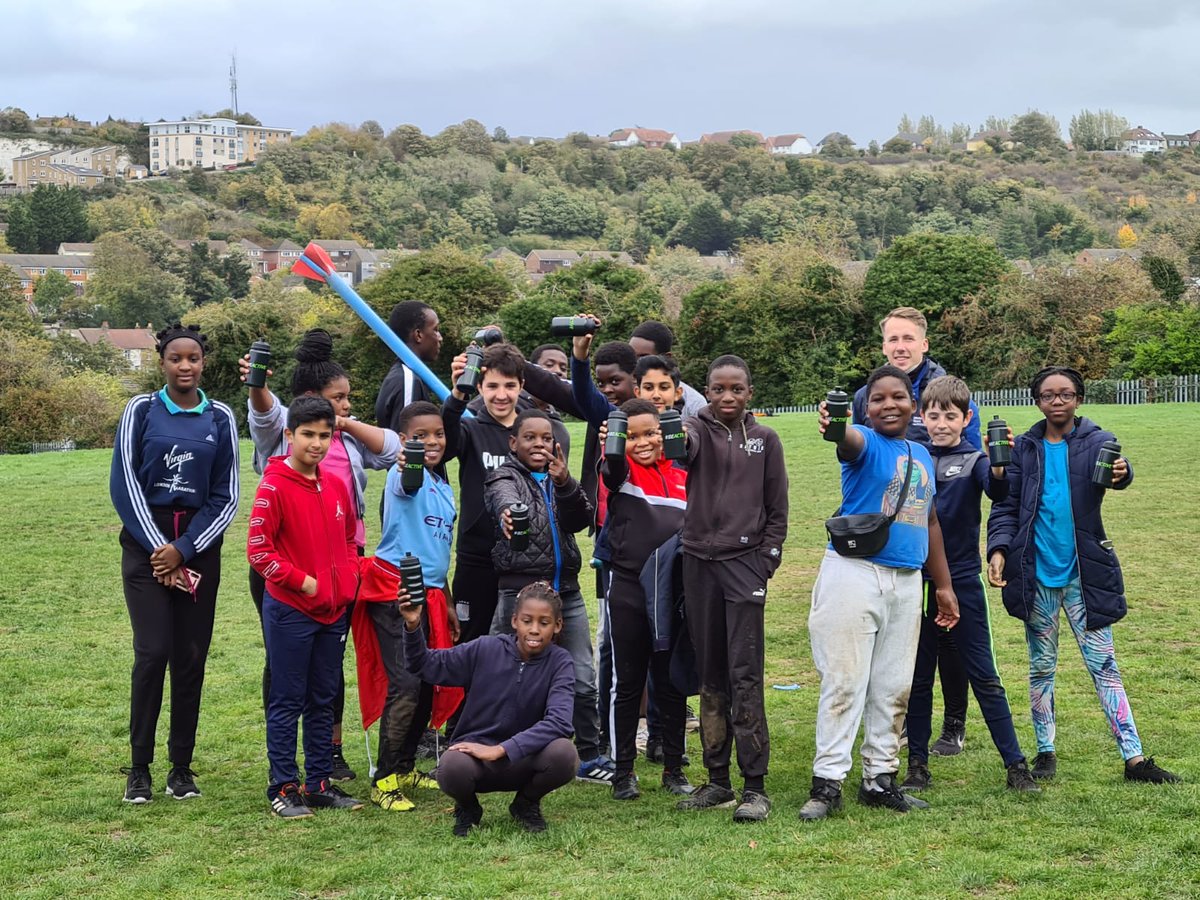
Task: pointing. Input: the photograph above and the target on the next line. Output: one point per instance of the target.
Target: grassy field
(64, 677)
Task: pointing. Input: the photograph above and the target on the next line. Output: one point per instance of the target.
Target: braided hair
(177, 331)
(316, 367)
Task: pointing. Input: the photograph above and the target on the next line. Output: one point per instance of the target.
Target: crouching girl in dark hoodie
(536, 475)
(515, 729)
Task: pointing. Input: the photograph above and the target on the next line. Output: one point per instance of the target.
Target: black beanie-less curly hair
(177, 331)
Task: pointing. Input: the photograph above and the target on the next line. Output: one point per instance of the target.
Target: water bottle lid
(260, 346)
(518, 508)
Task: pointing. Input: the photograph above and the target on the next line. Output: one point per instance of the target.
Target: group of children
(684, 550)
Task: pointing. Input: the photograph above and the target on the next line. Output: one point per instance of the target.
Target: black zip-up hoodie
(737, 490)
(481, 445)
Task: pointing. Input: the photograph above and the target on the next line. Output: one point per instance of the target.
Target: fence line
(52, 447)
(1128, 392)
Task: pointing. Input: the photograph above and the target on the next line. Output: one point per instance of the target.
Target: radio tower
(233, 84)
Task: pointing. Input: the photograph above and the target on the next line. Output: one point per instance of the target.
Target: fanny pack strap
(904, 487)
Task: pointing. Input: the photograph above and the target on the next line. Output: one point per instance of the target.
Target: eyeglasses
(1051, 396)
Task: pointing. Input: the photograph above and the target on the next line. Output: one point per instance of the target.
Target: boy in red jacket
(301, 541)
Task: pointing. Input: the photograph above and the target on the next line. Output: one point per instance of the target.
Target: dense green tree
(708, 228)
(1155, 339)
(50, 293)
(131, 288)
(15, 120)
(1099, 130)
(46, 217)
(1165, 277)
(1037, 130)
(14, 311)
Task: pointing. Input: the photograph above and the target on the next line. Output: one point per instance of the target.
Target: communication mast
(233, 84)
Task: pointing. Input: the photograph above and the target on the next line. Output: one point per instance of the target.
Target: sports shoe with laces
(289, 803)
(824, 798)
(654, 753)
(466, 818)
(600, 770)
(952, 738)
(416, 780)
(329, 796)
(755, 807)
(430, 744)
(341, 771)
(1149, 771)
(625, 787)
(138, 787)
(1020, 779)
(918, 777)
(708, 796)
(692, 722)
(889, 795)
(1045, 766)
(181, 783)
(675, 782)
(527, 814)
(386, 794)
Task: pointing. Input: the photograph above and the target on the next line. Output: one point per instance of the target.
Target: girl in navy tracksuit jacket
(1048, 550)
(174, 483)
(514, 733)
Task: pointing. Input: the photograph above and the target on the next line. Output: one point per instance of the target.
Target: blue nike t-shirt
(1054, 529)
(871, 484)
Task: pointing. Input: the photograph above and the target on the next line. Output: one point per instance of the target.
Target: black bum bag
(866, 534)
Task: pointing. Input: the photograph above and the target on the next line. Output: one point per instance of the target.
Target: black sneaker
(755, 807)
(289, 803)
(654, 753)
(527, 814)
(429, 745)
(824, 798)
(181, 783)
(625, 787)
(466, 818)
(1149, 771)
(330, 796)
(918, 777)
(675, 782)
(341, 771)
(1020, 779)
(138, 787)
(889, 795)
(708, 796)
(1045, 766)
(952, 738)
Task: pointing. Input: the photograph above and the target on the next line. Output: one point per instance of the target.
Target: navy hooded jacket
(1011, 524)
(921, 376)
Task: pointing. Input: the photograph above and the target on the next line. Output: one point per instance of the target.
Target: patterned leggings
(1096, 646)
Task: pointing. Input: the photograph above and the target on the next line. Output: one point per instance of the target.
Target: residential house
(215, 248)
(354, 263)
(137, 345)
(503, 253)
(136, 173)
(254, 256)
(990, 139)
(789, 145)
(832, 138)
(208, 143)
(1182, 141)
(1139, 140)
(617, 256)
(75, 249)
(722, 261)
(101, 159)
(543, 262)
(651, 138)
(1100, 255)
(52, 167)
(726, 137)
(282, 254)
(32, 266)
(913, 140)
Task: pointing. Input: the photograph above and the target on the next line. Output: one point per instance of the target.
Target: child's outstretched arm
(939, 571)
(379, 445)
(453, 666)
(849, 447)
(593, 405)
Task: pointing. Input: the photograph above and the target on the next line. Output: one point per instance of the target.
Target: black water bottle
(1110, 452)
(837, 404)
(412, 580)
(674, 440)
(412, 476)
(468, 381)
(618, 427)
(572, 326)
(260, 361)
(999, 449)
(519, 514)
(485, 337)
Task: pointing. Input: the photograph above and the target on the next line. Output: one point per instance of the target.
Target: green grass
(64, 678)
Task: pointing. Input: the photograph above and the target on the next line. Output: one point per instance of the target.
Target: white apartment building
(208, 143)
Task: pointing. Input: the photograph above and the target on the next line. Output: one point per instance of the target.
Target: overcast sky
(550, 67)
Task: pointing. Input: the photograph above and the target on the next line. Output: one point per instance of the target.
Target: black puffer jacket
(555, 514)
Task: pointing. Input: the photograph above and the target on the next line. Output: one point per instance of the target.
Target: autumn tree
(1099, 130)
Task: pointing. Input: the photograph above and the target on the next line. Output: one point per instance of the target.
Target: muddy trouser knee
(724, 602)
(409, 700)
